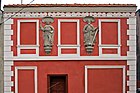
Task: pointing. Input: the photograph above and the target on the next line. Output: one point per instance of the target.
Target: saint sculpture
(48, 33)
(89, 34)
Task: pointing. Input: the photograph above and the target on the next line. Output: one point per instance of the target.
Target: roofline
(70, 5)
(71, 8)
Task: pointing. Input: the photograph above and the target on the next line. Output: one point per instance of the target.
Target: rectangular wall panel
(105, 79)
(28, 35)
(109, 33)
(69, 33)
(26, 81)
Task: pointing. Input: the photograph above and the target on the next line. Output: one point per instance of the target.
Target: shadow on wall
(138, 48)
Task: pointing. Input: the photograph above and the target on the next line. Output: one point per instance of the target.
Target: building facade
(70, 48)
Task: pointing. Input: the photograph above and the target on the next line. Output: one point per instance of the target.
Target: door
(57, 84)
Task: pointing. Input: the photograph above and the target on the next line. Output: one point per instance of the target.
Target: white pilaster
(131, 53)
(8, 83)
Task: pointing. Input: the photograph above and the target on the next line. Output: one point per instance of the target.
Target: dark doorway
(57, 84)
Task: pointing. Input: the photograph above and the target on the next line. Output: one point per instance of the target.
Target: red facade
(69, 68)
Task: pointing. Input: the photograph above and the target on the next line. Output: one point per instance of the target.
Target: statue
(89, 34)
(48, 32)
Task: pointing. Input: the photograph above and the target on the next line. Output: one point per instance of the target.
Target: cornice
(68, 14)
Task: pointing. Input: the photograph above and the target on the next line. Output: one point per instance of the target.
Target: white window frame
(68, 46)
(25, 68)
(104, 67)
(108, 46)
(19, 46)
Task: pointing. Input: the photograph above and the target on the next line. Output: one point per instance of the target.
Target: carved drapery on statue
(89, 34)
(48, 32)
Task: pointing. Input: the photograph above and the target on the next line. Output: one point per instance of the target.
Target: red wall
(74, 69)
(105, 80)
(26, 81)
(76, 73)
(124, 37)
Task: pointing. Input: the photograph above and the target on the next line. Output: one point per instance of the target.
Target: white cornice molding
(70, 58)
(68, 14)
(71, 9)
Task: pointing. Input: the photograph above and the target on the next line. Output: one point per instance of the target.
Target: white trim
(7, 27)
(131, 32)
(8, 92)
(70, 14)
(19, 47)
(131, 21)
(7, 79)
(132, 78)
(25, 68)
(8, 83)
(69, 58)
(7, 48)
(131, 53)
(101, 46)
(8, 54)
(7, 68)
(68, 46)
(132, 38)
(10, 21)
(6, 38)
(131, 63)
(8, 43)
(102, 66)
(131, 83)
(8, 89)
(131, 68)
(8, 32)
(8, 73)
(8, 63)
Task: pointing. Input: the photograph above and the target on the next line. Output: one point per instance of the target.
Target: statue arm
(52, 29)
(84, 29)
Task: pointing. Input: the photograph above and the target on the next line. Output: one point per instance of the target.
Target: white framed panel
(68, 46)
(25, 68)
(107, 46)
(104, 67)
(19, 46)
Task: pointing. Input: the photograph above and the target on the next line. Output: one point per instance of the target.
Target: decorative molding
(131, 53)
(8, 32)
(7, 27)
(19, 46)
(69, 14)
(117, 46)
(103, 66)
(69, 46)
(70, 58)
(131, 32)
(8, 83)
(25, 68)
(90, 34)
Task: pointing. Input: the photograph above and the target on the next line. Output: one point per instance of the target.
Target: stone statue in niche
(48, 32)
(89, 34)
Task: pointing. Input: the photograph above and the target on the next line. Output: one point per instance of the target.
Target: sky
(137, 2)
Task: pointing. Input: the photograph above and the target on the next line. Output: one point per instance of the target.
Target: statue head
(48, 20)
(88, 19)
